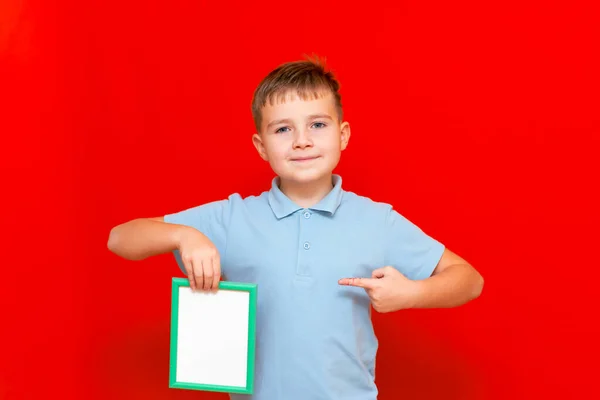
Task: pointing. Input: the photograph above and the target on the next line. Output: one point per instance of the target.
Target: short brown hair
(308, 78)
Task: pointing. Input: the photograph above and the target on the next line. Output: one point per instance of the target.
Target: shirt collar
(282, 206)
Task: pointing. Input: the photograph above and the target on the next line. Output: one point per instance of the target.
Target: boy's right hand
(201, 260)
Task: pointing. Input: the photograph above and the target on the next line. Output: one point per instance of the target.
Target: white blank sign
(212, 337)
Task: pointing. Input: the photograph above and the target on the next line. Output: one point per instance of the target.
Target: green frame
(173, 383)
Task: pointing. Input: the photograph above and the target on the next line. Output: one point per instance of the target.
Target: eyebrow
(287, 120)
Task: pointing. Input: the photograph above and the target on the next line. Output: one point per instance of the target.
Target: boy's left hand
(388, 289)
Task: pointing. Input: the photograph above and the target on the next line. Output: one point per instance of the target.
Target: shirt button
(306, 214)
(306, 245)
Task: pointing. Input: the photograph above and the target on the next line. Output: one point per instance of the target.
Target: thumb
(379, 273)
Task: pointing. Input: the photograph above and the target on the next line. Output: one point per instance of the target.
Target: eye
(319, 125)
(281, 130)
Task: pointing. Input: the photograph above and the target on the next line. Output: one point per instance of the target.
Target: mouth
(304, 159)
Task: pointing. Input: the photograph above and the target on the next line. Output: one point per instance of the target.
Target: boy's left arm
(420, 273)
(453, 282)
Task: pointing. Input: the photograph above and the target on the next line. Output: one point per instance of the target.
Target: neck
(307, 194)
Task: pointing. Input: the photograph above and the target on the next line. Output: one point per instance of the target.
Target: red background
(478, 121)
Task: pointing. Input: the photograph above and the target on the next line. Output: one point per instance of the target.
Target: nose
(302, 139)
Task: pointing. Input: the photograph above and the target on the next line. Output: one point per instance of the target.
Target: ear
(345, 135)
(258, 144)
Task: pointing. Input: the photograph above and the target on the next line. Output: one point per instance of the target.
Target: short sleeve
(211, 219)
(408, 249)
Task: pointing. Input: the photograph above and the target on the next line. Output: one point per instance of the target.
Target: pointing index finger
(366, 283)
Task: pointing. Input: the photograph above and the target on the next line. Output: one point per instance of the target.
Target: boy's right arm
(146, 237)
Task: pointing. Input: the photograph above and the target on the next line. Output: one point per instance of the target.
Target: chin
(306, 176)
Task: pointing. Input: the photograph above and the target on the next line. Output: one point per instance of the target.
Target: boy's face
(302, 139)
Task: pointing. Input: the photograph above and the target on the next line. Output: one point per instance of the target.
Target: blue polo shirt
(314, 338)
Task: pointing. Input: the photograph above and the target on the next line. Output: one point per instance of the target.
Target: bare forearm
(142, 238)
(452, 287)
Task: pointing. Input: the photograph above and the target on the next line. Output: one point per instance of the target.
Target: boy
(320, 255)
